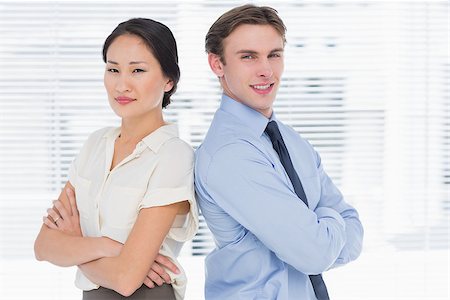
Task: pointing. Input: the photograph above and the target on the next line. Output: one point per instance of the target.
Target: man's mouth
(263, 88)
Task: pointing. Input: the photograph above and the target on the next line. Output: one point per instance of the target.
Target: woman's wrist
(110, 248)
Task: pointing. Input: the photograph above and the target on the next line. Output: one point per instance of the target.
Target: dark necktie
(280, 147)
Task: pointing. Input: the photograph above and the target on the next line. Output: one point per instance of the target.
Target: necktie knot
(272, 131)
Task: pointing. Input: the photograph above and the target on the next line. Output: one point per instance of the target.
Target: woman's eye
(113, 70)
(138, 70)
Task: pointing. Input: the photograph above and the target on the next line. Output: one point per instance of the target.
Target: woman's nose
(123, 84)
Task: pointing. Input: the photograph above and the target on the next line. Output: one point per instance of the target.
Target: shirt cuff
(326, 212)
(166, 196)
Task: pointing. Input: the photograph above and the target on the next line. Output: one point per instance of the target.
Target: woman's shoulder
(176, 145)
(98, 134)
(176, 153)
(94, 139)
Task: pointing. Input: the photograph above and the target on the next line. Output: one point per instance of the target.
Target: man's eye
(275, 55)
(247, 56)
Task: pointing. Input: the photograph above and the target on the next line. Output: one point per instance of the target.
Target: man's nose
(265, 68)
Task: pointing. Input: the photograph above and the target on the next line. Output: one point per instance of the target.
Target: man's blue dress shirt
(267, 239)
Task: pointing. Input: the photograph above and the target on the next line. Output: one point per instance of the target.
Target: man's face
(252, 67)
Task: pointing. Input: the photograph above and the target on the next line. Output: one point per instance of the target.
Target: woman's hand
(62, 218)
(157, 274)
(67, 220)
(60, 240)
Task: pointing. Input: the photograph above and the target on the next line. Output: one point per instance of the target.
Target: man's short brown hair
(245, 14)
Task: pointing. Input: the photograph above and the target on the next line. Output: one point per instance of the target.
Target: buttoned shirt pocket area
(119, 210)
(84, 204)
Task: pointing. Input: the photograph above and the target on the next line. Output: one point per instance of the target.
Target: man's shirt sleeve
(242, 180)
(331, 198)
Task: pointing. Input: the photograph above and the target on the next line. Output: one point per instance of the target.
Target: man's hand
(65, 219)
(157, 274)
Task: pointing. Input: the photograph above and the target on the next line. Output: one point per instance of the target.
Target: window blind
(367, 82)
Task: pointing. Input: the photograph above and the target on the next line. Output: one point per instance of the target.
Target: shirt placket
(109, 173)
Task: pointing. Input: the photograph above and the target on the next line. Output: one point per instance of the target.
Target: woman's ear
(216, 64)
(168, 86)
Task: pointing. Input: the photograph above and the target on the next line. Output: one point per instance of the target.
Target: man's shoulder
(229, 144)
(222, 134)
(291, 133)
(223, 149)
(287, 128)
(222, 146)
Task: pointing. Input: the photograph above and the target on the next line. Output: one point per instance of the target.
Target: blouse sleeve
(73, 173)
(172, 181)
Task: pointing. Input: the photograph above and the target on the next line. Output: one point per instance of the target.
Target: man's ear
(216, 64)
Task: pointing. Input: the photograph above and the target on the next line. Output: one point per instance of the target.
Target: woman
(133, 184)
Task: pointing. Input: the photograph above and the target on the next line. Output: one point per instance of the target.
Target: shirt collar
(250, 118)
(154, 140)
(161, 135)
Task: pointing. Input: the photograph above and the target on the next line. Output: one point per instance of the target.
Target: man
(277, 218)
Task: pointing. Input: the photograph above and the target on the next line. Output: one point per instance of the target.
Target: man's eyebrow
(246, 51)
(256, 52)
(277, 50)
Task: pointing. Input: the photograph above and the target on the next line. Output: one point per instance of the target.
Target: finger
(55, 209)
(52, 214)
(155, 278)
(149, 283)
(161, 272)
(62, 209)
(167, 263)
(73, 203)
(49, 223)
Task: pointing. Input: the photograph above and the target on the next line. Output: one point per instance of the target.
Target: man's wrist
(326, 212)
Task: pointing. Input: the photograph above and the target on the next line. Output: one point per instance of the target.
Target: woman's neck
(133, 131)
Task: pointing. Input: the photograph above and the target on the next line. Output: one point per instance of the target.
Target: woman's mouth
(124, 100)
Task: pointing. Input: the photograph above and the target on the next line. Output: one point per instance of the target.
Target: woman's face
(133, 78)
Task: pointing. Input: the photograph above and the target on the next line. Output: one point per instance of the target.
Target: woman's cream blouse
(158, 172)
